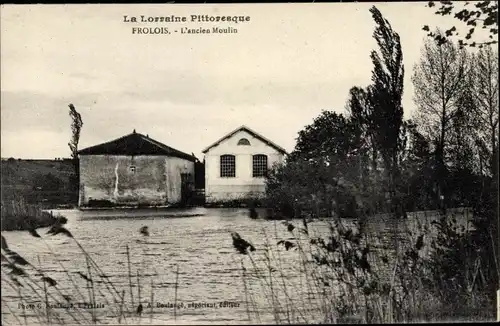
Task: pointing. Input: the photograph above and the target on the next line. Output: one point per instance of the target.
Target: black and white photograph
(237, 163)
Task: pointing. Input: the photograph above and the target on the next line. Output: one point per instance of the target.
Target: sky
(283, 67)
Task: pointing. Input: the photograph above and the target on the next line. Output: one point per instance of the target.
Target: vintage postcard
(249, 163)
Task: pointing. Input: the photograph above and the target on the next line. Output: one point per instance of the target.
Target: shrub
(355, 276)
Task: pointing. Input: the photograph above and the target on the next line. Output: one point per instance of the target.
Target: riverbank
(20, 216)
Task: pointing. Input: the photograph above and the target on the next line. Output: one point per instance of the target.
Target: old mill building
(133, 170)
(236, 165)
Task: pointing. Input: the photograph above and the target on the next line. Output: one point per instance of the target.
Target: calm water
(196, 241)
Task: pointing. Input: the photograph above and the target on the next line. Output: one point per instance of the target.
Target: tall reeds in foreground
(43, 292)
(342, 274)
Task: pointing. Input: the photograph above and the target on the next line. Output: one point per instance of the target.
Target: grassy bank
(19, 215)
(31, 172)
(47, 183)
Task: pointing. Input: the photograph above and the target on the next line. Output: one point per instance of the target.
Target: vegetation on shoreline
(45, 183)
(371, 161)
(345, 275)
(87, 296)
(19, 215)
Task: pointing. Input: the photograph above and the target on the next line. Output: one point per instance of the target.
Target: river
(188, 259)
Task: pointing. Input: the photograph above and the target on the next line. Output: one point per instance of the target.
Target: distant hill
(20, 172)
(38, 180)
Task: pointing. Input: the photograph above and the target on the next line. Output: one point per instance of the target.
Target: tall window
(227, 166)
(259, 165)
(244, 141)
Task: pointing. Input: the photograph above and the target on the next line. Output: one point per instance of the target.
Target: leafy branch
(484, 15)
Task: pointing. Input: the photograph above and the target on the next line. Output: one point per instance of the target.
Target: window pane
(259, 165)
(227, 166)
(243, 141)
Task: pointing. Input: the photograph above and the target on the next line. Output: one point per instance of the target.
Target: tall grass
(18, 214)
(343, 273)
(44, 299)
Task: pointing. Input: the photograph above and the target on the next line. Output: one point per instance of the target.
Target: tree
(330, 134)
(385, 118)
(76, 127)
(417, 166)
(440, 80)
(484, 13)
(359, 107)
(461, 183)
(323, 152)
(485, 96)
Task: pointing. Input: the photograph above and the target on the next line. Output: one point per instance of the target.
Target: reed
(139, 307)
(347, 275)
(130, 277)
(23, 274)
(151, 300)
(90, 287)
(23, 305)
(47, 307)
(175, 294)
(24, 278)
(18, 214)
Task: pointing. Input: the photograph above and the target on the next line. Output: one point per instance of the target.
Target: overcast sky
(282, 68)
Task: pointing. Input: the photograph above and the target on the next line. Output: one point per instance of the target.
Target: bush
(352, 276)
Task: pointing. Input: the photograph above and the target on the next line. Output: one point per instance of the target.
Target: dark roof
(251, 132)
(135, 144)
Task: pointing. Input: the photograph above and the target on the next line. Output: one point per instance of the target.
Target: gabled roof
(135, 144)
(251, 132)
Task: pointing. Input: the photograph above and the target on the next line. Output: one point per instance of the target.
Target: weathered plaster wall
(175, 167)
(244, 185)
(155, 181)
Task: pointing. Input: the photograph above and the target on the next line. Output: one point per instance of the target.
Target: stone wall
(123, 180)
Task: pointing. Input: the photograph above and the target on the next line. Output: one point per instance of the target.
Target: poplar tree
(76, 127)
(386, 111)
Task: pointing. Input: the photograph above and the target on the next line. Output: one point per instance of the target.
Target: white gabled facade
(235, 164)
